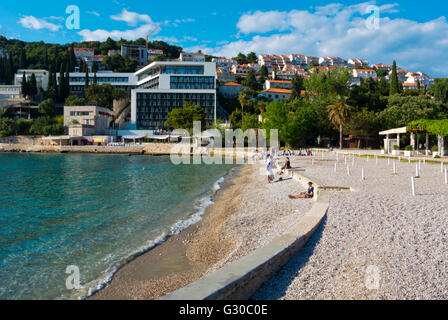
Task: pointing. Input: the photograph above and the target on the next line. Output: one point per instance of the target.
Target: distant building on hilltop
(192, 57)
(355, 63)
(136, 52)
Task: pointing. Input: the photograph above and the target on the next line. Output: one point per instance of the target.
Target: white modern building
(126, 81)
(282, 84)
(165, 85)
(364, 73)
(42, 77)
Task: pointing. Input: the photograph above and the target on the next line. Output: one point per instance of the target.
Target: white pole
(413, 185)
(335, 167)
(419, 165)
(417, 173)
(395, 167)
(409, 159)
(353, 161)
(376, 159)
(446, 176)
(363, 176)
(441, 166)
(399, 158)
(348, 170)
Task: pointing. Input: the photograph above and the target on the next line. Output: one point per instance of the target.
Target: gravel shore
(378, 241)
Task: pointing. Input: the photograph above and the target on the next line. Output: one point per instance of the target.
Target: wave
(203, 203)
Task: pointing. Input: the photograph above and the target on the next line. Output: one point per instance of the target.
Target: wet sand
(183, 258)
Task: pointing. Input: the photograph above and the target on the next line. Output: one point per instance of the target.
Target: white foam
(175, 229)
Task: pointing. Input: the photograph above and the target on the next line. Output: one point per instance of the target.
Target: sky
(414, 33)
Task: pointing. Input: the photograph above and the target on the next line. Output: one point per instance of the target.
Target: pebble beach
(378, 241)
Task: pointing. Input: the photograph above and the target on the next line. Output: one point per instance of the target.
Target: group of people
(309, 194)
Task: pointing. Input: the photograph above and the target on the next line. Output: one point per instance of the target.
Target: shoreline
(181, 258)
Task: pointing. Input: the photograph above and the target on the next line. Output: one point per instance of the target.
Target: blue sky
(415, 33)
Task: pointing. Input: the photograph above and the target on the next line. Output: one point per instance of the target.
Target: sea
(69, 221)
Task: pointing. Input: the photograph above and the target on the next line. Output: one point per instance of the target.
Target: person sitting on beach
(309, 194)
(269, 172)
(286, 166)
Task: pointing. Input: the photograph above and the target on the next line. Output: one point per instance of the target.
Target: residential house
(225, 75)
(277, 94)
(224, 62)
(231, 89)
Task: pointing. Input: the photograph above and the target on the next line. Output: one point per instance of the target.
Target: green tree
(252, 57)
(75, 101)
(394, 84)
(25, 86)
(251, 81)
(297, 87)
(47, 108)
(32, 86)
(7, 127)
(184, 118)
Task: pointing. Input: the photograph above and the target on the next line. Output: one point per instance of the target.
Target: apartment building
(42, 77)
(364, 73)
(411, 86)
(225, 75)
(153, 53)
(310, 59)
(165, 85)
(244, 69)
(192, 57)
(298, 59)
(126, 81)
(356, 63)
(224, 62)
(419, 77)
(380, 66)
(332, 62)
(136, 52)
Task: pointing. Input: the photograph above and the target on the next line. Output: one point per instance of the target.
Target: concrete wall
(241, 279)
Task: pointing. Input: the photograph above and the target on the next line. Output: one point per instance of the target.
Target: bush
(396, 147)
(408, 148)
(435, 148)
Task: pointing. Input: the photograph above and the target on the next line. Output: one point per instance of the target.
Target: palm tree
(242, 98)
(338, 114)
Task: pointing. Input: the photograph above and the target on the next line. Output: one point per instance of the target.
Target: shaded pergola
(438, 128)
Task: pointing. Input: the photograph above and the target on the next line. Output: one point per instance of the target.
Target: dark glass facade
(153, 108)
(192, 82)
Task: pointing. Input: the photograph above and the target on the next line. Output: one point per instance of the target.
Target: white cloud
(93, 13)
(102, 35)
(31, 22)
(339, 30)
(132, 18)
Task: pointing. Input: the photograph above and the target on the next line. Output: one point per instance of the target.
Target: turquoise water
(90, 211)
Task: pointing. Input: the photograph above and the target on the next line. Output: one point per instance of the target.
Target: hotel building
(42, 77)
(165, 85)
(126, 81)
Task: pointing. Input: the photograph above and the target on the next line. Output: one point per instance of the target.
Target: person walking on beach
(309, 194)
(269, 172)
